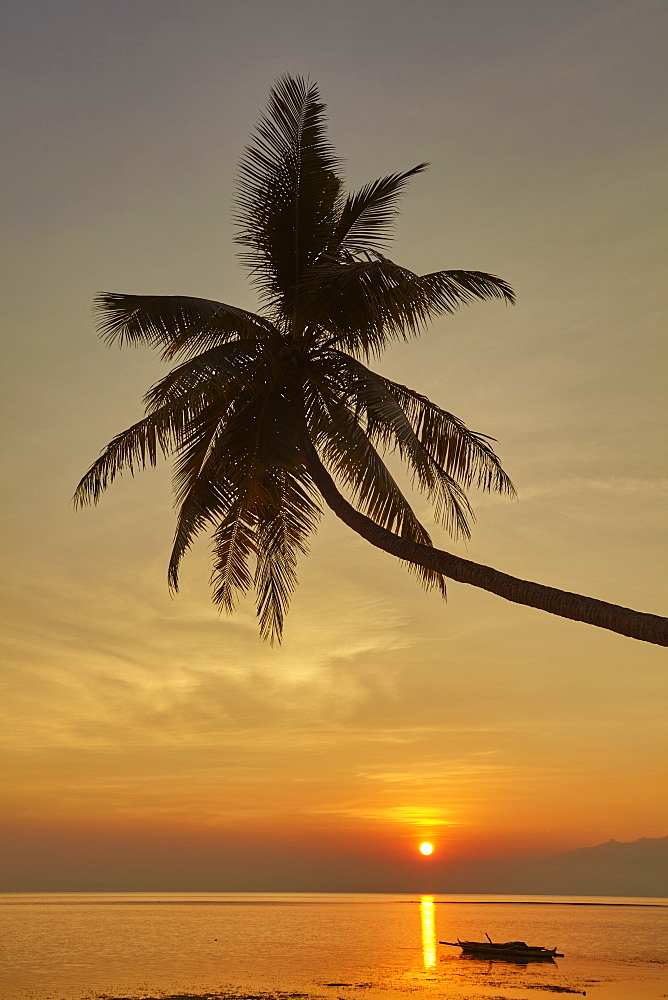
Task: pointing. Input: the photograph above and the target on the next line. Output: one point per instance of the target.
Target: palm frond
(288, 191)
(207, 501)
(367, 217)
(134, 449)
(464, 454)
(234, 545)
(361, 388)
(348, 453)
(210, 373)
(362, 305)
(260, 440)
(283, 527)
(215, 465)
(448, 290)
(175, 324)
(195, 447)
(346, 450)
(387, 425)
(198, 390)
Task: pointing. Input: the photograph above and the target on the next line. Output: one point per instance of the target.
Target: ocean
(86, 946)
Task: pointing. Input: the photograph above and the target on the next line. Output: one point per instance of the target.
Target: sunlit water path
(85, 945)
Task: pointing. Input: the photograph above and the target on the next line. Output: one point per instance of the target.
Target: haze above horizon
(147, 738)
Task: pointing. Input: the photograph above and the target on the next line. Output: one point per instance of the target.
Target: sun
(426, 848)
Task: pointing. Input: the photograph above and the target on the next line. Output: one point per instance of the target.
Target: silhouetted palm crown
(254, 393)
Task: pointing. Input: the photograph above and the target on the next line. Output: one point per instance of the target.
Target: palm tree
(265, 410)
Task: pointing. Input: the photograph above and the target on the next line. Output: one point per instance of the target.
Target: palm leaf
(365, 304)
(201, 389)
(288, 191)
(135, 448)
(347, 451)
(215, 466)
(367, 217)
(386, 421)
(175, 324)
(208, 499)
(464, 454)
(211, 373)
(259, 441)
(388, 425)
(283, 527)
(234, 544)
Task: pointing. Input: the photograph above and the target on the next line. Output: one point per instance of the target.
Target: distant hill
(638, 868)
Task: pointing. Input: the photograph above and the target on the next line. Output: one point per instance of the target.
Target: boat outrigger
(513, 950)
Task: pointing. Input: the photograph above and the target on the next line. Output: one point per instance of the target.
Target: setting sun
(426, 848)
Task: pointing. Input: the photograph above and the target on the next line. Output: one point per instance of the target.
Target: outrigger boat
(513, 950)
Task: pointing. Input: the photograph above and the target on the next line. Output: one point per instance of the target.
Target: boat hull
(512, 951)
(477, 956)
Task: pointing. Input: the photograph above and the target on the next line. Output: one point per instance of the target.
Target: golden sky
(145, 734)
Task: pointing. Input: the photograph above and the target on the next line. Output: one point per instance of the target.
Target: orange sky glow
(150, 743)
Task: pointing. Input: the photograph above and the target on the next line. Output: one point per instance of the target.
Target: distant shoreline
(537, 902)
(319, 902)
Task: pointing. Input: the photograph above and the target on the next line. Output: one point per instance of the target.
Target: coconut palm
(266, 412)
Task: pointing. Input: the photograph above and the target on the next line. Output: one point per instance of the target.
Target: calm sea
(67, 946)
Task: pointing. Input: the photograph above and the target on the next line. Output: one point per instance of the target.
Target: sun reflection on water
(428, 931)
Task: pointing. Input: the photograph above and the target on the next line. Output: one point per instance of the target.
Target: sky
(150, 743)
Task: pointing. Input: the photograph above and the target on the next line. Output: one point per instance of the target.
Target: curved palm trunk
(636, 624)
